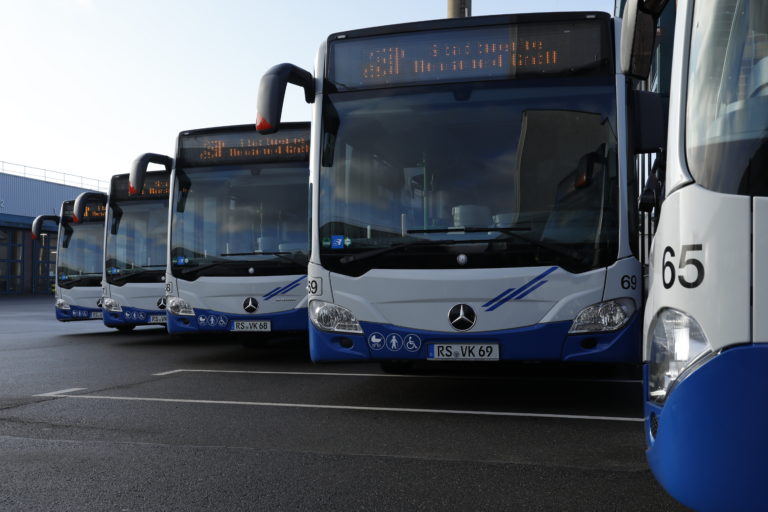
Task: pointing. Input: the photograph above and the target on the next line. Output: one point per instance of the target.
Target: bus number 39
(669, 271)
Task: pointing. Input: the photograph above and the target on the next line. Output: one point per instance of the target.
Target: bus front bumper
(134, 316)
(77, 313)
(294, 320)
(708, 443)
(541, 342)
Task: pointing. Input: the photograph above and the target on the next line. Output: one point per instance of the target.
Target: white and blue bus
(237, 230)
(706, 317)
(135, 234)
(79, 260)
(474, 191)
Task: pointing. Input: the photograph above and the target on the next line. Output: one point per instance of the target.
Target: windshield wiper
(512, 232)
(205, 266)
(69, 283)
(376, 252)
(292, 257)
(140, 272)
(467, 230)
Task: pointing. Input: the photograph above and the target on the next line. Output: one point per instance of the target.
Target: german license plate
(97, 314)
(158, 319)
(463, 352)
(252, 326)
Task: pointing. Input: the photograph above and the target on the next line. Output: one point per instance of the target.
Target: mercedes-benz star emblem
(462, 317)
(250, 305)
(161, 303)
(100, 302)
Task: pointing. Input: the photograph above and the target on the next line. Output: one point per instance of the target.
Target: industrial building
(28, 266)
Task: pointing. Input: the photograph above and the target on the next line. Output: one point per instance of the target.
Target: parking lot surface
(94, 419)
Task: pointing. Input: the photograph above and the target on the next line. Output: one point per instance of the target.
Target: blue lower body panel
(541, 342)
(215, 321)
(77, 313)
(133, 316)
(710, 451)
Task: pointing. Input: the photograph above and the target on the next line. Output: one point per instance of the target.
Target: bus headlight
(178, 306)
(603, 317)
(62, 305)
(111, 305)
(330, 317)
(678, 343)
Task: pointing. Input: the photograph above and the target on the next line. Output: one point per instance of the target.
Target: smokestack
(459, 8)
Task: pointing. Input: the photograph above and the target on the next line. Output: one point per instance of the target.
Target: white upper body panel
(421, 299)
(226, 294)
(677, 168)
(718, 296)
(136, 295)
(760, 270)
(85, 296)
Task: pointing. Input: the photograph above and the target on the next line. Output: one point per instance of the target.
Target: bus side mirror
(638, 36)
(652, 196)
(139, 170)
(67, 233)
(37, 224)
(269, 106)
(649, 115)
(117, 214)
(84, 199)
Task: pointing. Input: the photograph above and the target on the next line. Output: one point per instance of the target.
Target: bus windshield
(80, 256)
(248, 219)
(727, 110)
(524, 171)
(136, 241)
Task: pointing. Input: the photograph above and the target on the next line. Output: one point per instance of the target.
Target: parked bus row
(466, 204)
(217, 241)
(468, 191)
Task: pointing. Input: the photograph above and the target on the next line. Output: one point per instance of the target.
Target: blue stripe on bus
(279, 291)
(536, 287)
(521, 292)
(498, 297)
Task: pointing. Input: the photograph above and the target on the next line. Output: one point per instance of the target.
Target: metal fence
(61, 178)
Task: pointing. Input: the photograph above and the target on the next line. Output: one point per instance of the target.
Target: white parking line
(391, 375)
(62, 394)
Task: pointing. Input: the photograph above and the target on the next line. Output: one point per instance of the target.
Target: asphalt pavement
(94, 419)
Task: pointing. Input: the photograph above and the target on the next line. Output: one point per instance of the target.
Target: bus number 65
(669, 271)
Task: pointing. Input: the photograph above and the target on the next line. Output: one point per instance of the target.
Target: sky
(86, 86)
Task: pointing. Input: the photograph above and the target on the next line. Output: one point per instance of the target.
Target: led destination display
(497, 52)
(94, 211)
(246, 146)
(156, 186)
